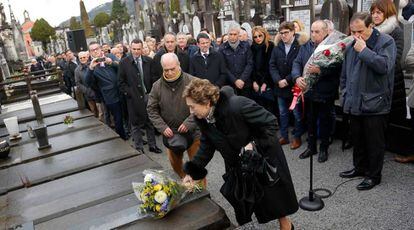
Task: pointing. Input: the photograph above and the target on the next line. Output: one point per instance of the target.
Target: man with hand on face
(102, 72)
(208, 63)
(367, 81)
(169, 112)
(135, 83)
(319, 100)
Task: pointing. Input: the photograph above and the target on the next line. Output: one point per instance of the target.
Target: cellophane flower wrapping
(330, 51)
(159, 193)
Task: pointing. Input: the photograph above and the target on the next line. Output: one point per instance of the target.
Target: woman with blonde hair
(299, 26)
(244, 133)
(262, 49)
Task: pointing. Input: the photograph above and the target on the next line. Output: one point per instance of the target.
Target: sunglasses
(258, 36)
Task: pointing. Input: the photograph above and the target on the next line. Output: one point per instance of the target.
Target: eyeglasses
(83, 57)
(258, 36)
(284, 32)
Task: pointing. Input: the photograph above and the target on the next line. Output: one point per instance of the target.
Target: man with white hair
(170, 46)
(80, 82)
(321, 96)
(239, 61)
(170, 114)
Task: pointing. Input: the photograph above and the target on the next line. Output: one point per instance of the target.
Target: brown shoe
(296, 143)
(283, 141)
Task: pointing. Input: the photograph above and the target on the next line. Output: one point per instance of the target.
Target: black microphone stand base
(311, 203)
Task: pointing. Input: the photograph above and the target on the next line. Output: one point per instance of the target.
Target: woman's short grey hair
(234, 26)
(169, 55)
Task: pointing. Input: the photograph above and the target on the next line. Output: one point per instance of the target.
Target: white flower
(148, 178)
(160, 197)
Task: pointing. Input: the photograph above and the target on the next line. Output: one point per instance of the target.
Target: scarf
(234, 45)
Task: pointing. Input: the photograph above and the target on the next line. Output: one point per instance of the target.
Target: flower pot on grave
(12, 126)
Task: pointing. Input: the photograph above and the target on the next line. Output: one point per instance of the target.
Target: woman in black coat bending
(228, 123)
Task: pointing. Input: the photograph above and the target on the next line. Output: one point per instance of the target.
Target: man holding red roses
(319, 98)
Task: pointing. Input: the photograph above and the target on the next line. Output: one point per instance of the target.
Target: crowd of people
(245, 96)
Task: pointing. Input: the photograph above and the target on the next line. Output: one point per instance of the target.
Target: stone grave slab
(73, 193)
(68, 163)
(49, 121)
(60, 144)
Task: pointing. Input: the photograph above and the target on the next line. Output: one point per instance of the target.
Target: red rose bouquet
(330, 51)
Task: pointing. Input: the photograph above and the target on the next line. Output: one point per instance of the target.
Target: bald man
(169, 113)
(321, 96)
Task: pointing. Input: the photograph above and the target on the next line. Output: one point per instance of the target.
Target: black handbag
(179, 142)
(253, 162)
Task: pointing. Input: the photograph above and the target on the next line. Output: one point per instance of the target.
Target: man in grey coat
(366, 85)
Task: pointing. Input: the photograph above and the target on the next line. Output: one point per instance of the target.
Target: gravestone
(338, 12)
(302, 10)
(196, 26)
(105, 35)
(185, 29)
(228, 8)
(141, 35)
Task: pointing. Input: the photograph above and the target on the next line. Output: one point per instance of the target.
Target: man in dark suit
(135, 83)
(208, 63)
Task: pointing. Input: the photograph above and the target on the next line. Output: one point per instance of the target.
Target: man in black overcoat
(135, 83)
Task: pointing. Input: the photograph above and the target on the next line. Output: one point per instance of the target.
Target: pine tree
(120, 16)
(85, 20)
(102, 19)
(74, 24)
(119, 12)
(42, 31)
(174, 6)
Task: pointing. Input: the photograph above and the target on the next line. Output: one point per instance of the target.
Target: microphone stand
(311, 202)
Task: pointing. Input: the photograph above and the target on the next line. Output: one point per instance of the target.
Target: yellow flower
(157, 207)
(157, 187)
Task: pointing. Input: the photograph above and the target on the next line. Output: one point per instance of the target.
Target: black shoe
(367, 184)
(306, 154)
(140, 151)
(155, 149)
(351, 174)
(323, 156)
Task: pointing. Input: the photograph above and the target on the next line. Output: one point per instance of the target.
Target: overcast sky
(54, 11)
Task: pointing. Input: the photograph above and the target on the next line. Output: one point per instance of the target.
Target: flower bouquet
(159, 194)
(68, 120)
(329, 52)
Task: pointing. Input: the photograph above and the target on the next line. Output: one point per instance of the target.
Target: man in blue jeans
(280, 66)
(102, 72)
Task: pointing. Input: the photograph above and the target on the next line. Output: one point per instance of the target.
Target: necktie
(141, 74)
(205, 58)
